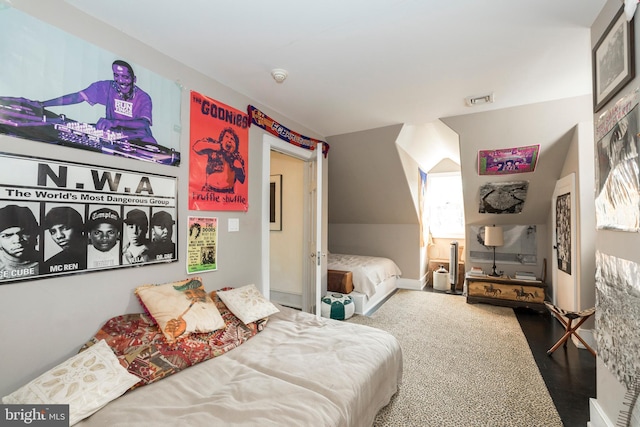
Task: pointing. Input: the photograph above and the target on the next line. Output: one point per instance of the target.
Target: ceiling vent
(472, 101)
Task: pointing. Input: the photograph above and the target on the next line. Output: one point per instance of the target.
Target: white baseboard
(287, 299)
(597, 416)
(412, 284)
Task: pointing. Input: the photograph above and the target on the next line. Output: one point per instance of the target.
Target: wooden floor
(570, 373)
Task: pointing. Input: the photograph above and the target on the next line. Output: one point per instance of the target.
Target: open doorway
(310, 255)
(286, 234)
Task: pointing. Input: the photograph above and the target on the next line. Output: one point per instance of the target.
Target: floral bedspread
(143, 350)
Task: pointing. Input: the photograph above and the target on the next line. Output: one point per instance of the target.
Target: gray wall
(550, 124)
(371, 209)
(46, 321)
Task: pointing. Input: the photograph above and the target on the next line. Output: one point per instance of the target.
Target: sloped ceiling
(367, 184)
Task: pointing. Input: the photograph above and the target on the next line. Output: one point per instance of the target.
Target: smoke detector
(279, 75)
(472, 101)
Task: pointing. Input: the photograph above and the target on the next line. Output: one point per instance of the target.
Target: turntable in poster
(25, 118)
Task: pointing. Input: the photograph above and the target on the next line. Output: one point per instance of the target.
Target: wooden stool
(583, 315)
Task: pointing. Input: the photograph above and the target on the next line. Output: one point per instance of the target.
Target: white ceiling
(362, 64)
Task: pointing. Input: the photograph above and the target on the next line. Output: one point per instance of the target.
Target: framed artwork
(503, 197)
(508, 160)
(33, 104)
(75, 218)
(617, 202)
(275, 203)
(613, 60)
(563, 232)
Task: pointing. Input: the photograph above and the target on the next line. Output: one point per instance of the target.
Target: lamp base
(453, 290)
(494, 273)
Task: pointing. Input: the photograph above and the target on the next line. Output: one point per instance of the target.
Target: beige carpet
(463, 365)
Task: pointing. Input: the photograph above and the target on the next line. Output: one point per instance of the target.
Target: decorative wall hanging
(617, 317)
(563, 232)
(618, 166)
(508, 160)
(202, 244)
(265, 122)
(520, 246)
(71, 93)
(61, 218)
(613, 60)
(275, 203)
(219, 156)
(503, 197)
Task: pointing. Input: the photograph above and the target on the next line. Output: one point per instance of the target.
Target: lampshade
(493, 236)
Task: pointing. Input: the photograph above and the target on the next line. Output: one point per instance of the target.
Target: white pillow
(247, 303)
(86, 382)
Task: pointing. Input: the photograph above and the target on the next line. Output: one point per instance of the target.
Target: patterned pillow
(144, 351)
(181, 308)
(247, 303)
(87, 381)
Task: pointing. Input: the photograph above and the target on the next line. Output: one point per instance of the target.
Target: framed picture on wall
(275, 203)
(613, 60)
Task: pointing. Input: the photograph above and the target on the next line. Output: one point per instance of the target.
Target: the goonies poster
(218, 160)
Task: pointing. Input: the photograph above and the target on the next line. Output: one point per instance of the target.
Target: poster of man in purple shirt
(128, 109)
(94, 101)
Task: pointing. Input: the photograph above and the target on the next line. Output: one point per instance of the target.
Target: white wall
(43, 322)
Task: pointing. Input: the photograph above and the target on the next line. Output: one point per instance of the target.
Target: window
(445, 205)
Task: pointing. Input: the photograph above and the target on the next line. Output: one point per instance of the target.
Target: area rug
(463, 365)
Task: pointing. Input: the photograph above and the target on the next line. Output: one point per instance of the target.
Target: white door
(311, 290)
(563, 266)
(313, 273)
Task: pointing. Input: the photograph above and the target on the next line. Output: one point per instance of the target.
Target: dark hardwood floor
(569, 372)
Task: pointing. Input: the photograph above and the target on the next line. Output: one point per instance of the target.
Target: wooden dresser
(506, 291)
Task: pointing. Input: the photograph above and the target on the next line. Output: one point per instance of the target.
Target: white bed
(299, 371)
(374, 278)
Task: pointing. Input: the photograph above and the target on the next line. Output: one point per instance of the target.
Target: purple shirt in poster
(137, 107)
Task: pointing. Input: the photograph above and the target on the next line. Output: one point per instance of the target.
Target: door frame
(566, 184)
(272, 143)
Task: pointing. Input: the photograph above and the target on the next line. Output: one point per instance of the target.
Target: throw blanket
(142, 348)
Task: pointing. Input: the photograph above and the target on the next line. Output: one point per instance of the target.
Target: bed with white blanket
(374, 278)
(288, 368)
(299, 371)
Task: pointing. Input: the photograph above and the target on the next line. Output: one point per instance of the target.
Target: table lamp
(493, 237)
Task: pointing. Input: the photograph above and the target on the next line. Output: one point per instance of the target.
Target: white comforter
(368, 271)
(299, 371)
